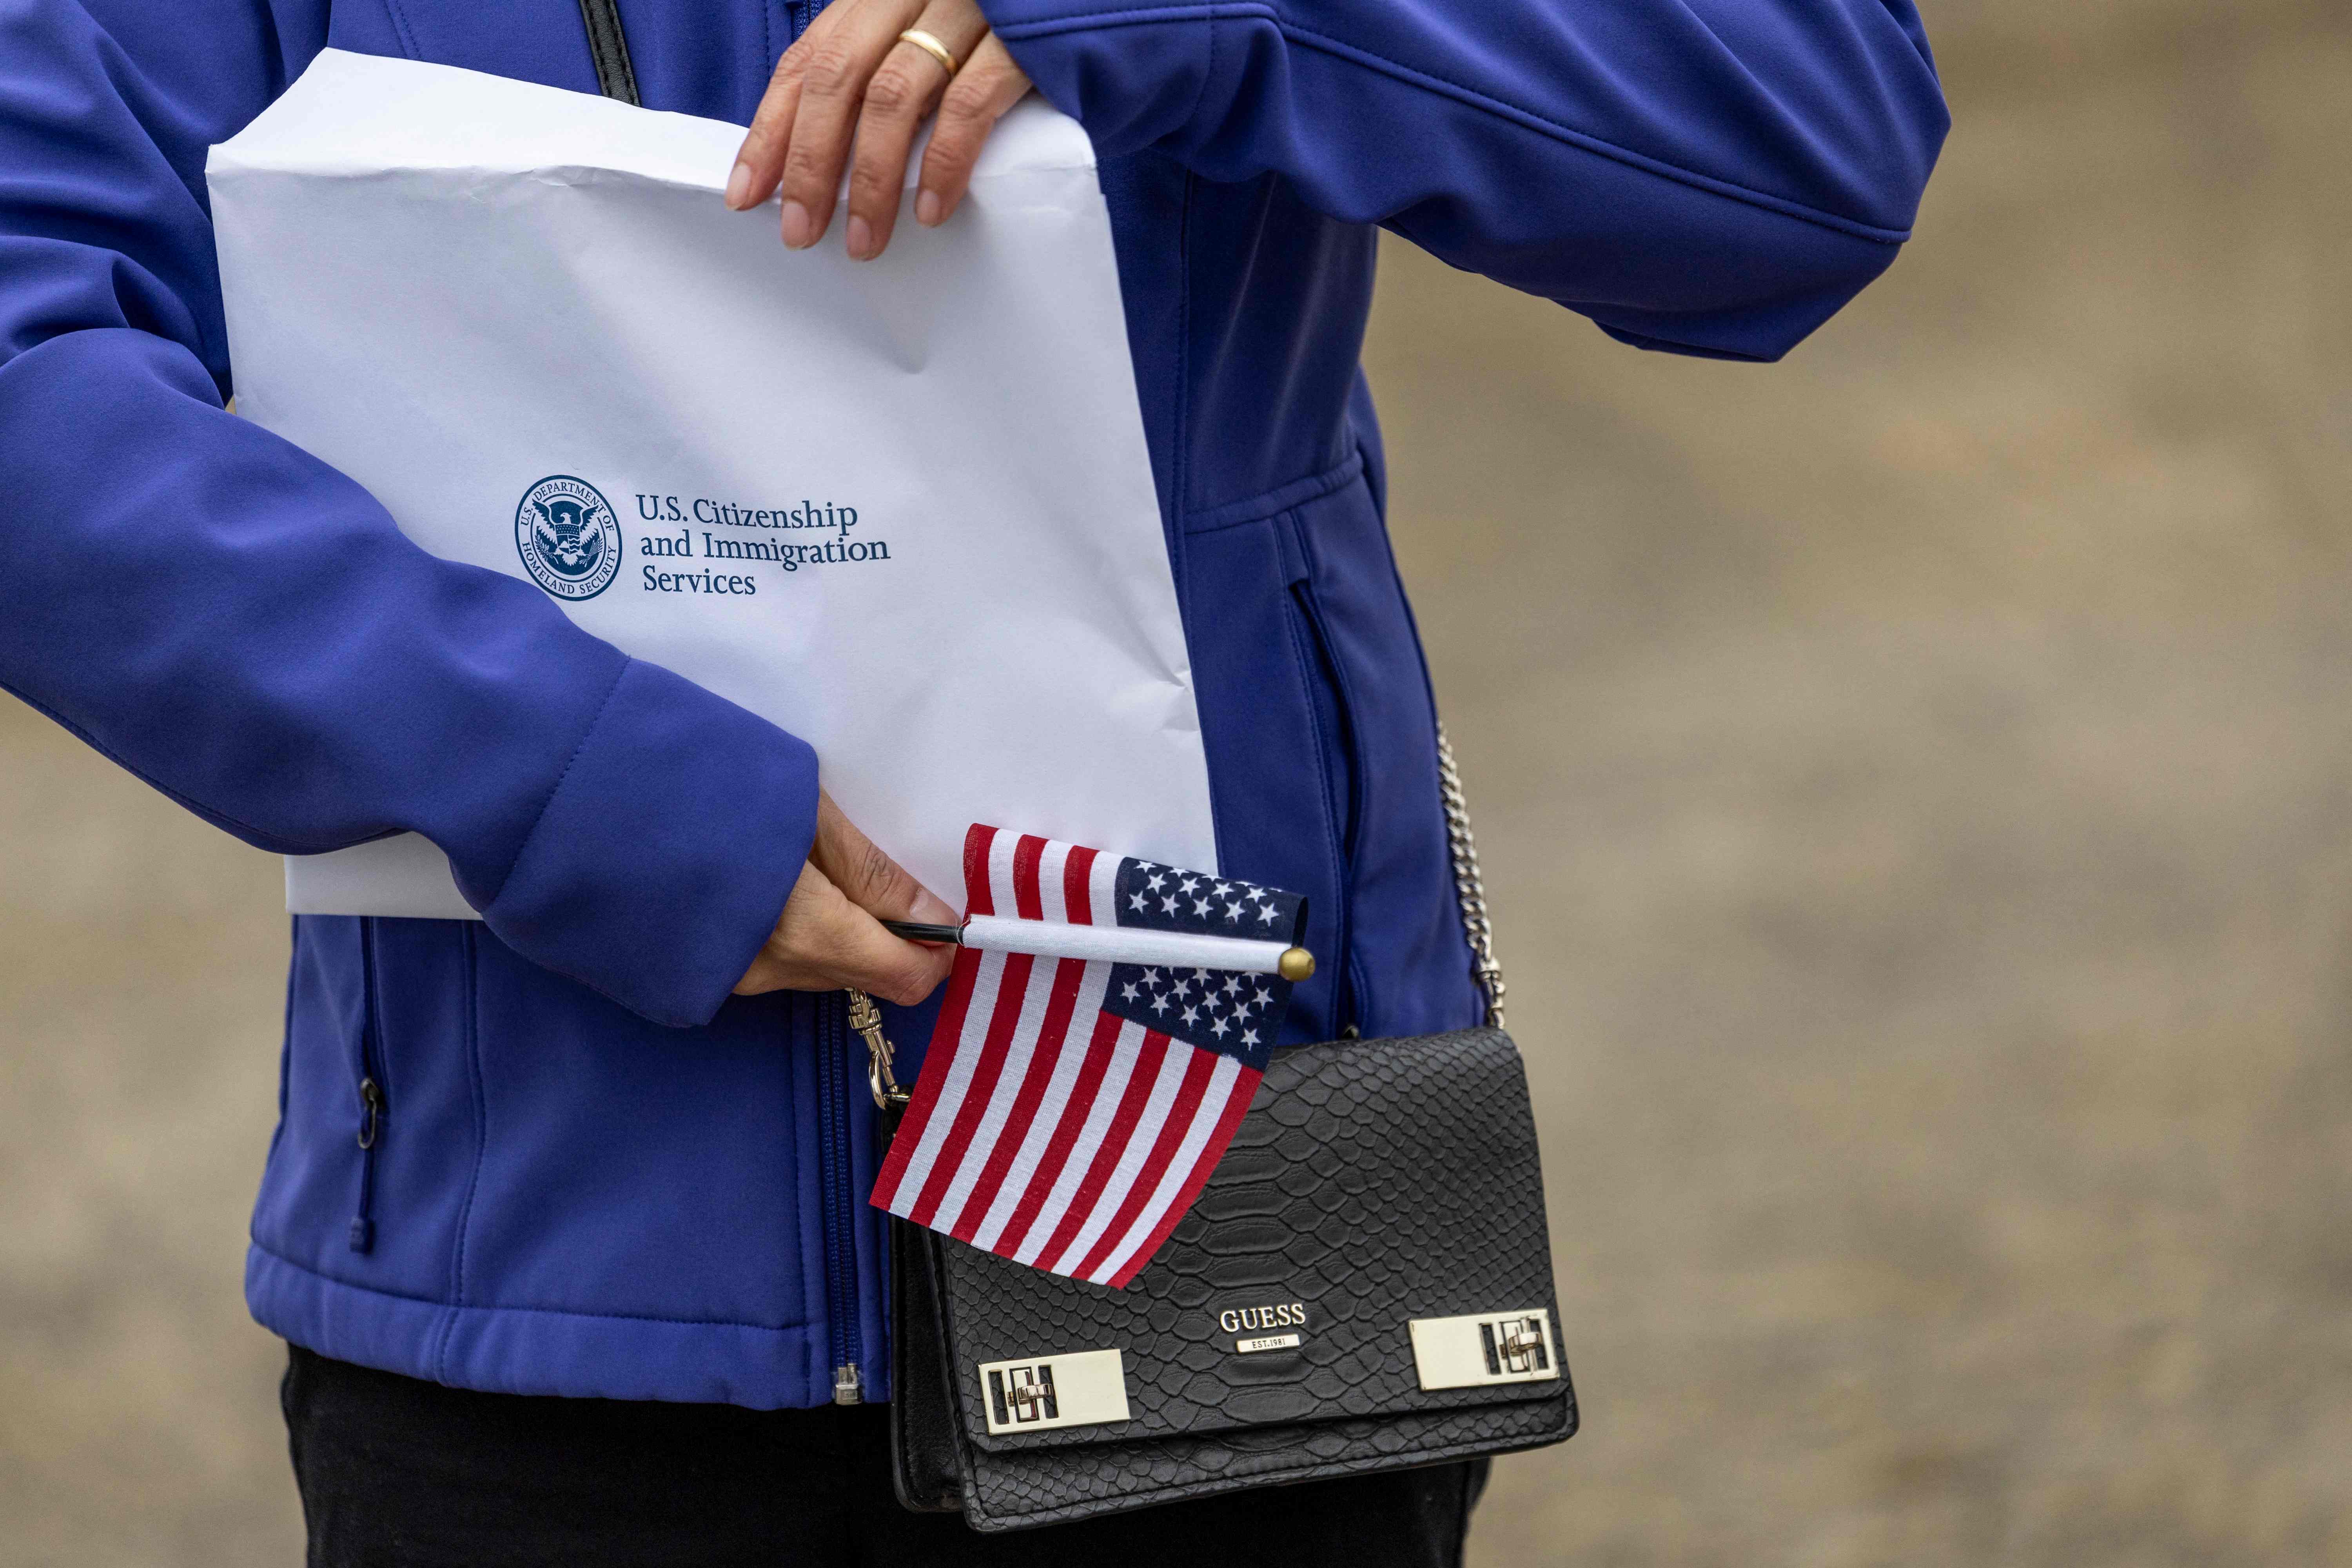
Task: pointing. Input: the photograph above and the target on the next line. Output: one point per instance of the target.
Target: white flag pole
(1116, 944)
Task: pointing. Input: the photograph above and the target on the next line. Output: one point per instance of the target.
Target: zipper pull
(370, 1124)
(847, 1387)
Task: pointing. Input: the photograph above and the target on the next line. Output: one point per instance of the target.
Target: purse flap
(1372, 1242)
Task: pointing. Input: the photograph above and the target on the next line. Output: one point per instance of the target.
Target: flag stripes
(1045, 1126)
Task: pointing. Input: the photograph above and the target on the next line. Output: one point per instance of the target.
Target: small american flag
(1069, 1111)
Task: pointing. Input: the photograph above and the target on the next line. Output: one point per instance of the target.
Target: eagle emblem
(562, 544)
(568, 538)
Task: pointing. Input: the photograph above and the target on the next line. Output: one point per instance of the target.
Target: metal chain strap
(1468, 884)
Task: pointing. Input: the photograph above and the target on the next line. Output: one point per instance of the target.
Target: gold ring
(929, 46)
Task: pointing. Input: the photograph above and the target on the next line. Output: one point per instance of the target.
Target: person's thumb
(867, 876)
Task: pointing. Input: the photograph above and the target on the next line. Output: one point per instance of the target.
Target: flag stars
(1188, 885)
(1137, 901)
(1168, 905)
(1233, 911)
(1218, 1010)
(1199, 906)
(1266, 914)
(1157, 883)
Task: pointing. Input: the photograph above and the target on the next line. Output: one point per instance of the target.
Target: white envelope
(522, 317)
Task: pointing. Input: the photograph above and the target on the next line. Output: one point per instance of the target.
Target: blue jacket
(548, 1152)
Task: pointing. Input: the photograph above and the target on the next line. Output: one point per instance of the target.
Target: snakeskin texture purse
(1364, 1284)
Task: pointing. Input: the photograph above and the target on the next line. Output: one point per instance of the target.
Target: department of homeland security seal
(569, 540)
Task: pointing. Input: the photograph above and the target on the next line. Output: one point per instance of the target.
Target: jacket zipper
(839, 1204)
(371, 1095)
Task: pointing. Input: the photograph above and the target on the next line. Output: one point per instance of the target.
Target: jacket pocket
(368, 1089)
(1340, 761)
(1406, 964)
(319, 1180)
(376, 1193)
(1276, 736)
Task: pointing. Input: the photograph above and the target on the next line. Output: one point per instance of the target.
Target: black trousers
(396, 1473)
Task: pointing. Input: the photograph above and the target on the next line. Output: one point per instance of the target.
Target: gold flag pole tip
(1296, 964)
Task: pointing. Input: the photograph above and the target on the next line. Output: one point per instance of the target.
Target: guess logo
(1276, 1315)
(1258, 1327)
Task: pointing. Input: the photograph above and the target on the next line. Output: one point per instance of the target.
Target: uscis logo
(569, 540)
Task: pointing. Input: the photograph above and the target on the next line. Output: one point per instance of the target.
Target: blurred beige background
(1914, 781)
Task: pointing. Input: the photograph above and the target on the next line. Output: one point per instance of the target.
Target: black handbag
(1363, 1285)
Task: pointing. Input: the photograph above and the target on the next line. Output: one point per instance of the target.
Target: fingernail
(927, 208)
(861, 237)
(799, 233)
(739, 186)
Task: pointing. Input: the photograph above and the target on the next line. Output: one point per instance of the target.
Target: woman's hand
(830, 934)
(850, 77)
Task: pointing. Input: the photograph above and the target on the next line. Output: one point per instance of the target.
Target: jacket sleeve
(247, 629)
(1710, 177)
